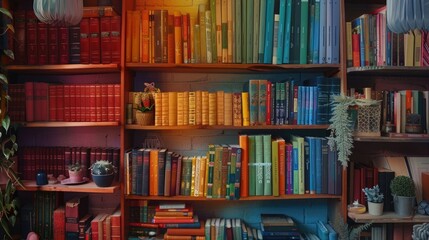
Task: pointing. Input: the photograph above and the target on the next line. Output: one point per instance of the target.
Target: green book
(252, 166)
(185, 187)
(261, 42)
(256, 32)
(303, 31)
(217, 172)
(300, 158)
(267, 165)
(259, 169)
(244, 31)
(249, 32)
(238, 30)
(210, 168)
(275, 167)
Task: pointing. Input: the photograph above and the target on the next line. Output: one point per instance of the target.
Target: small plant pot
(145, 118)
(103, 180)
(76, 176)
(375, 209)
(404, 206)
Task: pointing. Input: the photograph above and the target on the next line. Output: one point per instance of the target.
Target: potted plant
(145, 102)
(404, 195)
(103, 173)
(375, 200)
(75, 172)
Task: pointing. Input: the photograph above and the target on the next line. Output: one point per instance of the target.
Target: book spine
(94, 40)
(106, 39)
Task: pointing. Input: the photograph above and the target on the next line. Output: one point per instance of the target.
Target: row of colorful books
(54, 160)
(372, 43)
(97, 39)
(295, 31)
(258, 165)
(39, 101)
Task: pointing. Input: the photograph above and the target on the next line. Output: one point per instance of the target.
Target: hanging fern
(341, 136)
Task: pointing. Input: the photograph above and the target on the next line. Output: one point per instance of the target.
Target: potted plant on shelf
(103, 173)
(375, 200)
(75, 173)
(145, 102)
(404, 195)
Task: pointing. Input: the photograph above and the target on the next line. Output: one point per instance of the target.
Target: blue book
(161, 171)
(333, 235)
(311, 30)
(307, 173)
(295, 164)
(335, 32)
(318, 161)
(281, 31)
(145, 172)
(316, 33)
(312, 178)
(303, 32)
(308, 105)
(332, 163)
(288, 17)
(301, 105)
(325, 149)
(322, 32)
(269, 28)
(322, 231)
(262, 18)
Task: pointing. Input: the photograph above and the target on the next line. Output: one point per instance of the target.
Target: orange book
(227, 109)
(220, 107)
(172, 109)
(212, 110)
(187, 231)
(173, 214)
(204, 108)
(282, 165)
(115, 223)
(153, 172)
(145, 37)
(244, 144)
(176, 237)
(170, 38)
(165, 108)
(135, 36)
(178, 37)
(158, 108)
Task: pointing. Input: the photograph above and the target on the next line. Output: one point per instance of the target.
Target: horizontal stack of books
(279, 226)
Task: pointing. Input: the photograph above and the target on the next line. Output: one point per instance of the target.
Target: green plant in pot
(404, 195)
(103, 173)
(76, 172)
(375, 200)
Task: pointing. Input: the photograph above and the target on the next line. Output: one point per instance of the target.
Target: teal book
(262, 102)
(269, 28)
(281, 31)
(322, 32)
(303, 31)
(295, 167)
(267, 174)
(295, 32)
(311, 30)
(316, 33)
(249, 32)
(252, 166)
(238, 30)
(319, 166)
(256, 30)
(259, 170)
(262, 17)
(287, 37)
(253, 101)
(335, 32)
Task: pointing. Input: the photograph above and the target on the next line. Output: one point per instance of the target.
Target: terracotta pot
(76, 176)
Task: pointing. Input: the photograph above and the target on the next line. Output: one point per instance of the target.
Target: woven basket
(145, 118)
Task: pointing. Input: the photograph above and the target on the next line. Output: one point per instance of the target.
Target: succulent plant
(373, 194)
(102, 167)
(403, 186)
(74, 167)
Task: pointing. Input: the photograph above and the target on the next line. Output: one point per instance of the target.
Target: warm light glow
(59, 12)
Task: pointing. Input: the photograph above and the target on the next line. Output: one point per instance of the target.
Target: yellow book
(245, 108)
(206, 184)
(201, 17)
(165, 109)
(192, 111)
(158, 108)
(212, 109)
(220, 95)
(203, 163)
(153, 172)
(135, 37)
(178, 37)
(409, 48)
(197, 177)
(208, 32)
(218, 30)
(198, 107)
(172, 111)
(236, 109)
(194, 162)
(128, 38)
(133, 98)
(227, 113)
(185, 108)
(180, 113)
(205, 108)
(417, 47)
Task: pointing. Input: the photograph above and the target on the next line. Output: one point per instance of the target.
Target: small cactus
(373, 194)
(102, 167)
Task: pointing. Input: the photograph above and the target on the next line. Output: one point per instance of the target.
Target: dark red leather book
(29, 101)
(98, 103)
(94, 40)
(117, 96)
(72, 101)
(104, 101)
(84, 40)
(52, 102)
(115, 39)
(20, 32)
(53, 44)
(78, 102)
(67, 115)
(92, 103)
(63, 45)
(111, 102)
(60, 102)
(31, 37)
(105, 39)
(42, 43)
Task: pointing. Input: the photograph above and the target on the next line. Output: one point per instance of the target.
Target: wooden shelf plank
(266, 127)
(387, 217)
(392, 139)
(389, 71)
(64, 68)
(69, 124)
(231, 67)
(89, 187)
(255, 198)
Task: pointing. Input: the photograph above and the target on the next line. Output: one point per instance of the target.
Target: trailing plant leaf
(346, 232)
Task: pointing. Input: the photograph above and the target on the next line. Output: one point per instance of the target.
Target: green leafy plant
(75, 167)
(403, 186)
(346, 232)
(341, 136)
(102, 167)
(373, 194)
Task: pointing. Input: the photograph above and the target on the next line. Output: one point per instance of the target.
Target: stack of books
(174, 213)
(279, 226)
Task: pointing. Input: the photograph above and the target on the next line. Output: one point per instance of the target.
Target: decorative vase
(145, 118)
(375, 209)
(103, 180)
(404, 206)
(76, 176)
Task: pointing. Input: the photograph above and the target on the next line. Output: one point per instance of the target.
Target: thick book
(277, 222)
(105, 39)
(94, 40)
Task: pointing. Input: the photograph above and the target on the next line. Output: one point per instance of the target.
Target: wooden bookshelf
(64, 68)
(388, 217)
(258, 127)
(254, 198)
(69, 124)
(89, 187)
(393, 139)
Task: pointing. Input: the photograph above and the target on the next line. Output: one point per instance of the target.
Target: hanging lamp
(406, 15)
(59, 12)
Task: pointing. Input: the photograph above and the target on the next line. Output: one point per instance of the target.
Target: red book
(92, 103)
(29, 101)
(268, 104)
(52, 102)
(60, 102)
(244, 143)
(84, 40)
(105, 39)
(53, 44)
(187, 231)
(94, 40)
(178, 175)
(170, 38)
(63, 45)
(356, 50)
(174, 161)
(72, 100)
(115, 39)
(185, 38)
(67, 115)
(104, 102)
(41, 103)
(97, 226)
(20, 32)
(78, 102)
(115, 224)
(98, 103)
(173, 219)
(282, 165)
(111, 102)
(31, 37)
(59, 219)
(117, 102)
(42, 47)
